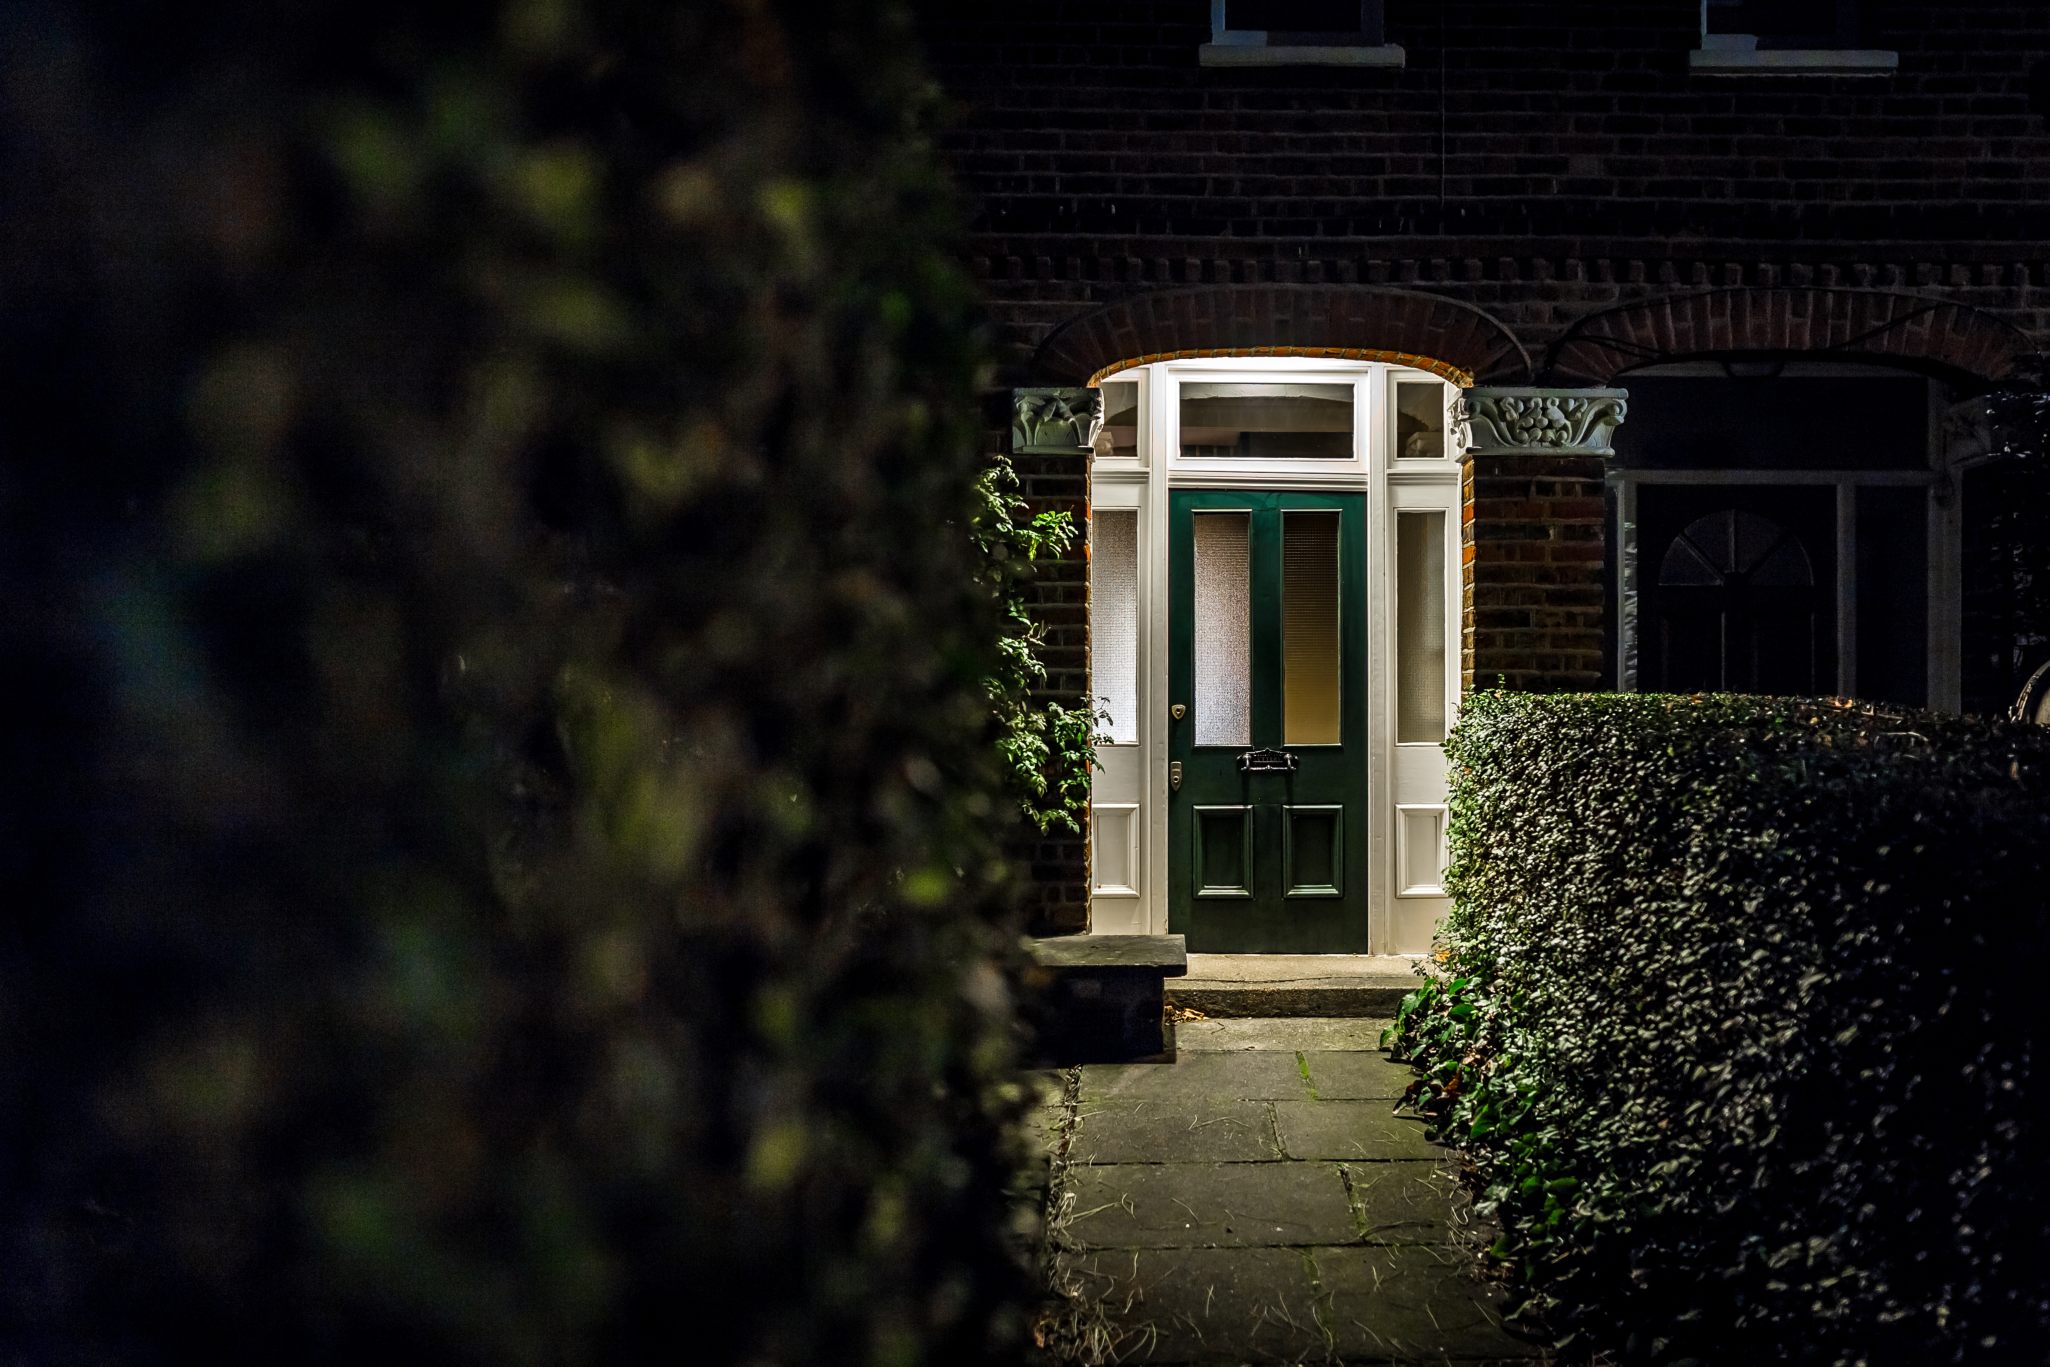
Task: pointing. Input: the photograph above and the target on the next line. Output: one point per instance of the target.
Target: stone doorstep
(1332, 985)
(1099, 997)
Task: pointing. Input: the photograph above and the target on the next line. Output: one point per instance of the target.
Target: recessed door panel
(1267, 656)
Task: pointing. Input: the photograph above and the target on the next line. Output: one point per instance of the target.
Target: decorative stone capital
(1552, 422)
(1055, 421)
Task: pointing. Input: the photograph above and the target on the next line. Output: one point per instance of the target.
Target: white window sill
(1258, 54)
(1793, 62)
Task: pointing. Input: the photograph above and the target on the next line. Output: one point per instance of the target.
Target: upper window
(1779, 23)
(1298, 32)
(1297, 22)
(1787, 37)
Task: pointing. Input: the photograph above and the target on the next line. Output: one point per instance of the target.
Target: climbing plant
(1047, 747)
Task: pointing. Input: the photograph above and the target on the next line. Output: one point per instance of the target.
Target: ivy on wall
(1047, 747)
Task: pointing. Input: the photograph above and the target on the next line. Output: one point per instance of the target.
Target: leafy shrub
(500, 785)
(1740, 1021)
(1047, 748)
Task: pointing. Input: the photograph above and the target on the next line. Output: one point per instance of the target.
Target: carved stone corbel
(1526, 421)
(1055, 421)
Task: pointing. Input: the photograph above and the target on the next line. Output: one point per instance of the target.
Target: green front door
(1267, 731)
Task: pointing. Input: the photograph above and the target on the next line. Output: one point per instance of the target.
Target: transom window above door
(1224, 420)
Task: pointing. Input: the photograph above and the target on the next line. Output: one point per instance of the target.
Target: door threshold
(1355, 985)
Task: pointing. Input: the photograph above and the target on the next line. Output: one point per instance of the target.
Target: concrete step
(1294, 984)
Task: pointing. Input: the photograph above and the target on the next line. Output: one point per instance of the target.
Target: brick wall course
(1521, 144)
(1556, 167)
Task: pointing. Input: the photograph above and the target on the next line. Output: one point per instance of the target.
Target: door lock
(1178, 711)
(1174, 776)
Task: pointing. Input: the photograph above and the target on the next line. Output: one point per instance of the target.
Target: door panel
(1267, 654)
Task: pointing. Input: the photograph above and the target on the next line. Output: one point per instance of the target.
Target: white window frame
(1744, 54)
(1254, 47)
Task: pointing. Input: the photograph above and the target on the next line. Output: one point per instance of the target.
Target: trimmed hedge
(1740, 1021)
(501, 792)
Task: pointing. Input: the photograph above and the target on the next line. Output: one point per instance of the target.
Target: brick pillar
(1053, 434)
(1531, 536)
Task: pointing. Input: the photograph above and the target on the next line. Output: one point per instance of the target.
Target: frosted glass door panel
(1223, 704)
(1420, 626)
(1114, 619)
(1309, 628)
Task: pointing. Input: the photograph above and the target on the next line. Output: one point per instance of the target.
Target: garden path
(1256, 1201)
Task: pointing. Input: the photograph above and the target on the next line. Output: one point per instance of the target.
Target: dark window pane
(1300, 16)
(1825, 21)
(1893, 595)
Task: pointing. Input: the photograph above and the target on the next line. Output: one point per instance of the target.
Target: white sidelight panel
(1114, 620)
(1420, 593)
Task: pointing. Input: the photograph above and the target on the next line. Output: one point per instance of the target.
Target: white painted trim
(1155, 432)
(1418, 890)
(1131, 854)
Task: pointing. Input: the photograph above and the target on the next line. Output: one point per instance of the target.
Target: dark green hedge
(1741, 1024)
(499, 787)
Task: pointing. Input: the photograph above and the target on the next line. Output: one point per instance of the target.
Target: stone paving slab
(1246, 1076)
(1290, 1034)
(1203, 1130)
(1351, 1130)
(1416, 1303)
(1191, 1205)
(1406, 1201)
(1191, 1305)
(1354, 1076)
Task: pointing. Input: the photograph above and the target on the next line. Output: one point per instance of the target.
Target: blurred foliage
(1738, 1026)
(1047, 748)
(501, 792)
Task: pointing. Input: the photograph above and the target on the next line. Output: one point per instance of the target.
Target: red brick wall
(1531, 541)
(1541, 161)
(1545, 163)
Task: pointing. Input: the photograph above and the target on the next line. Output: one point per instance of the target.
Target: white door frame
(1399, 778)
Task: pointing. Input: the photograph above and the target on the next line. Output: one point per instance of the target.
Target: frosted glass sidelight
(1224, 650)
(1114, 618)
(1420, 419)
(1420, 626)
(1119, 437)
(1309, 628)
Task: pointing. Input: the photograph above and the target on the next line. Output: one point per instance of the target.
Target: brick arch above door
(1357, 322)
(1953, 341)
